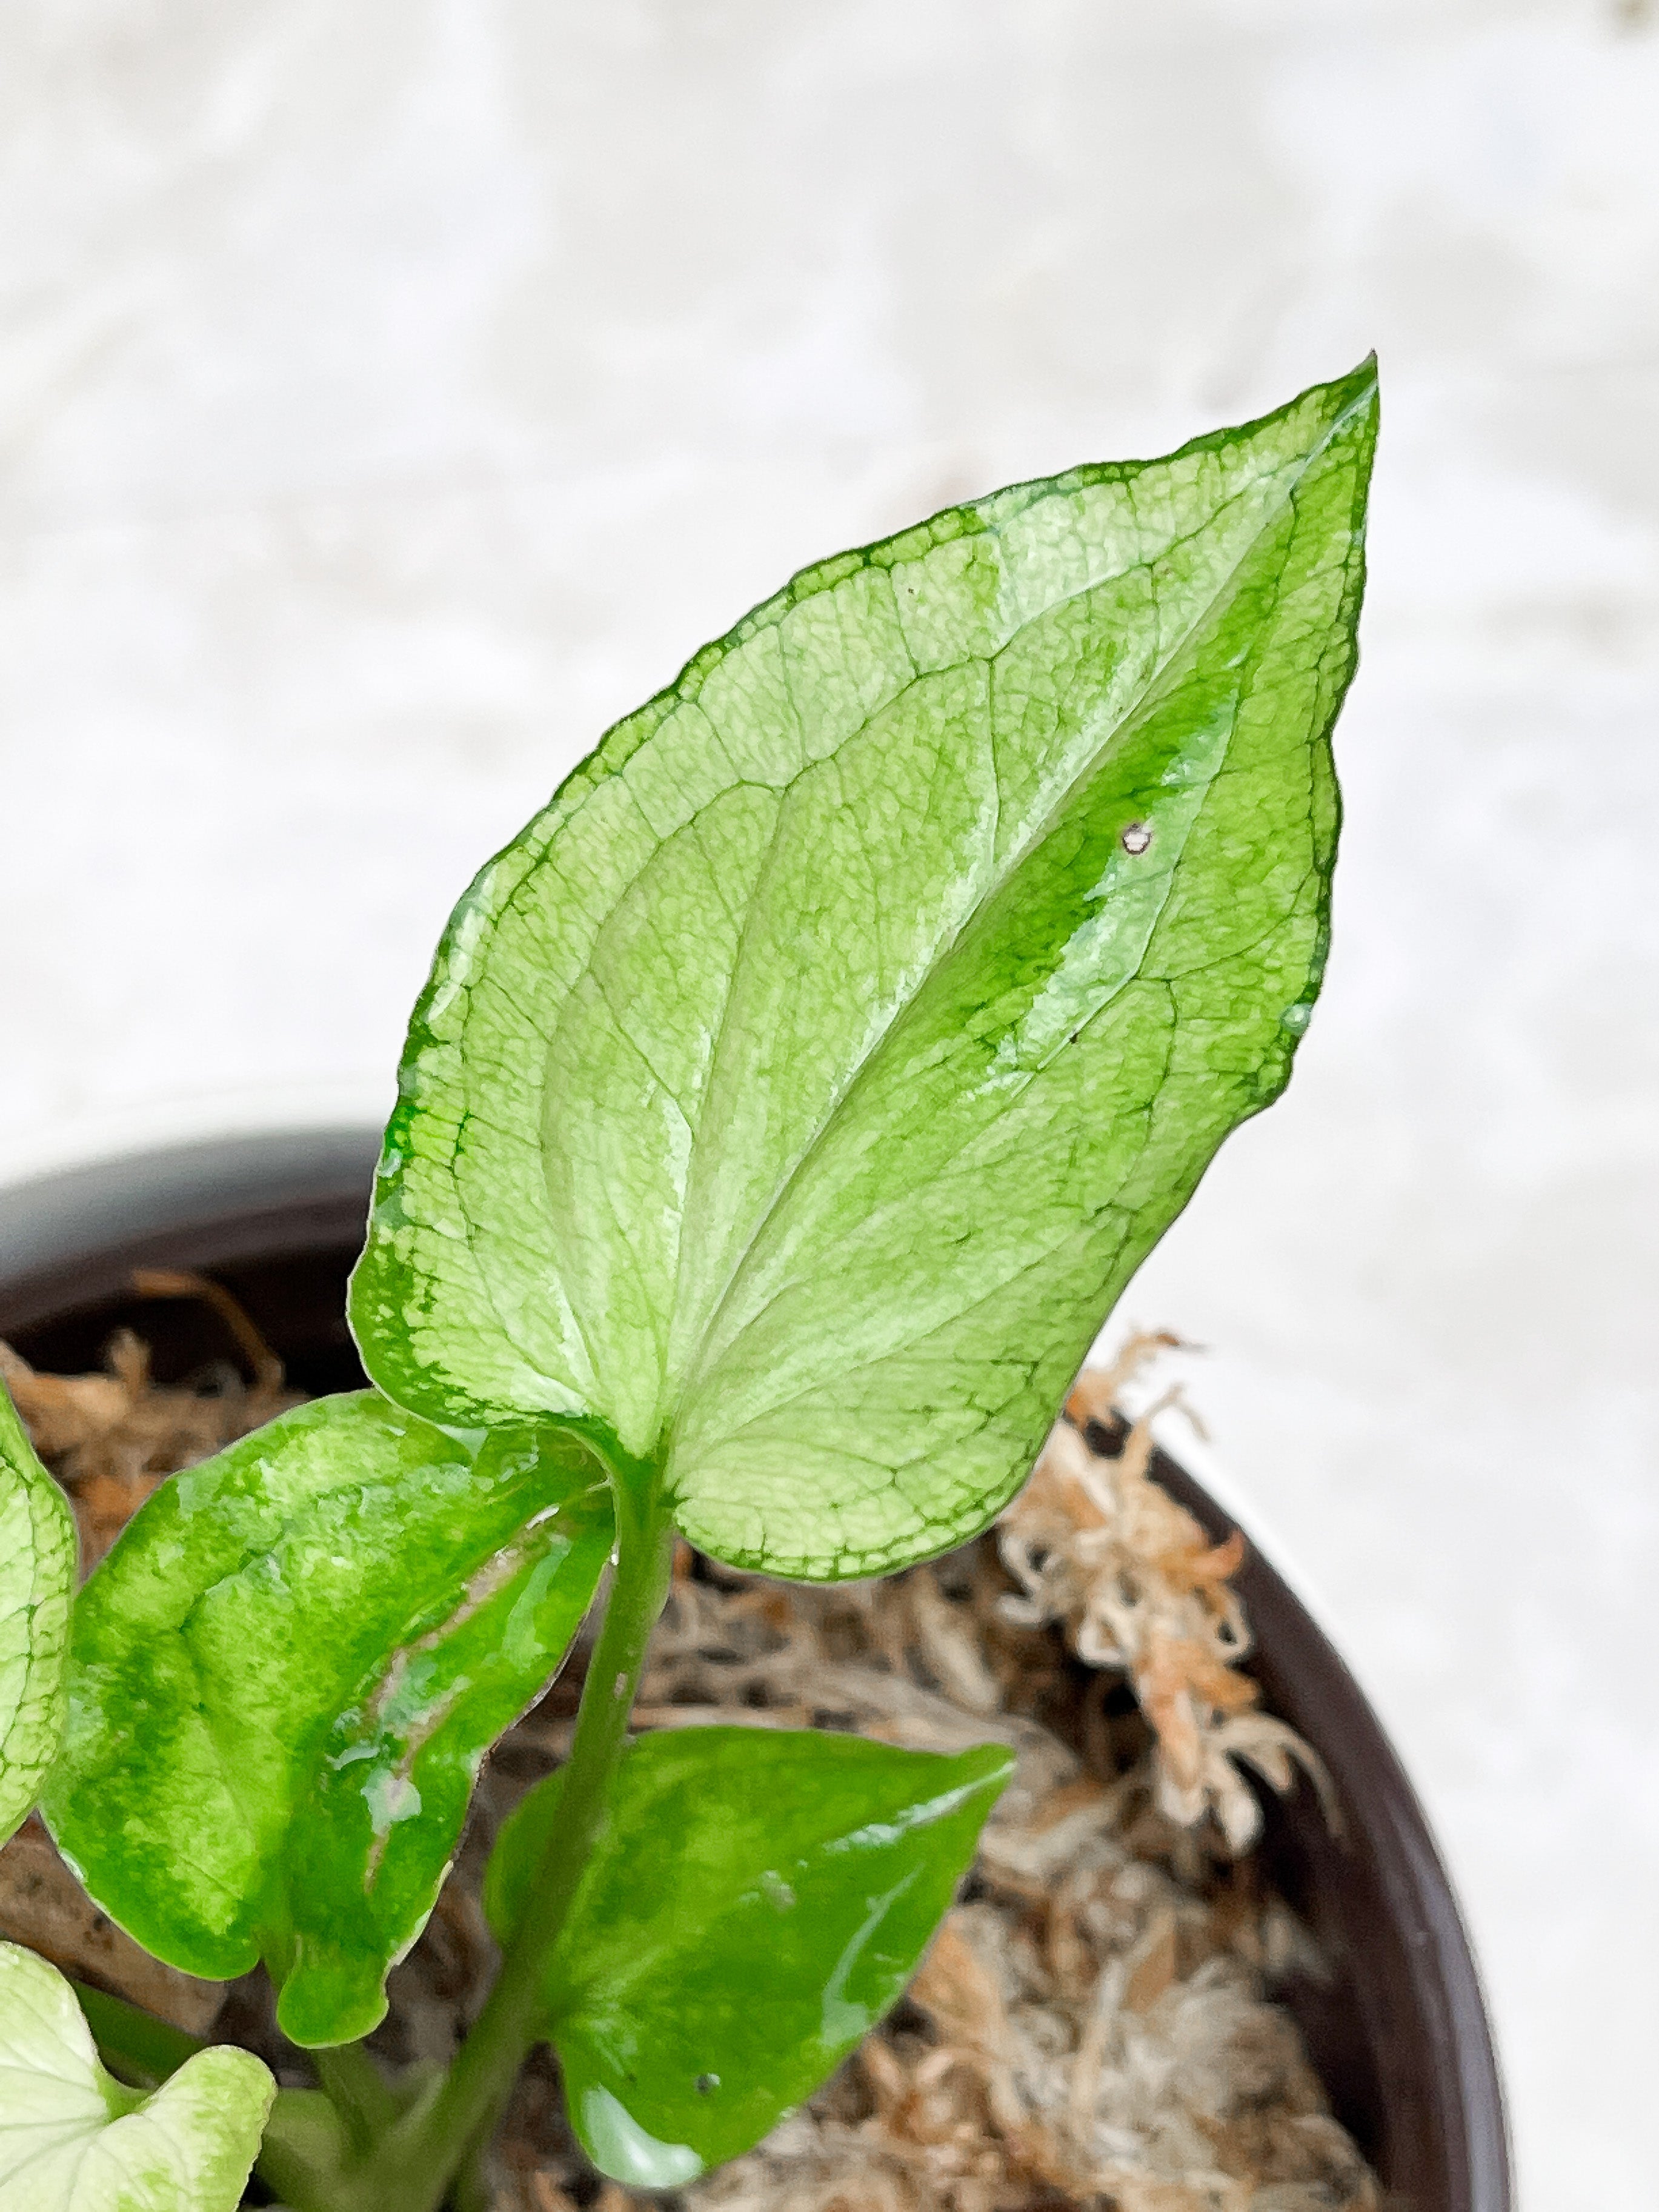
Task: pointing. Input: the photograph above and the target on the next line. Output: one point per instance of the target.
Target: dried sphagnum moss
(1091, 2025)
(1103, 1551)
(112, 1438)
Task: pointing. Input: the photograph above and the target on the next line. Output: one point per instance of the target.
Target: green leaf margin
(37, 1592)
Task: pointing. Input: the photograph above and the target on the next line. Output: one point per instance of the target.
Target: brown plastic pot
(1399, 2032)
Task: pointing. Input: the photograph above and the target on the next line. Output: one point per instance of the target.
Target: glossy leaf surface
(801, 1088)
(759, 1900)
(285, 1674)
(37, 1588)
(74, 2139)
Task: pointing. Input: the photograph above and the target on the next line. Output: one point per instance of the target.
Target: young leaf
(759, 1900)
(797, 1093)
(74, 2139)
(283, 1678)
(37, 1587)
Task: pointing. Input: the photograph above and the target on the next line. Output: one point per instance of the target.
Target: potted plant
(787, 1107)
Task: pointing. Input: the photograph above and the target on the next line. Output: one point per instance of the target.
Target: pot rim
(53, 1223)
(68, 1239)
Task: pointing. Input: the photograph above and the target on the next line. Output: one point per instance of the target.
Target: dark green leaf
(798, 1092)
(759, 1900)
(37, 1588)
(283, 1678)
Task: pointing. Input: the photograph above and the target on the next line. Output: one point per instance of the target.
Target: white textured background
(390, 396)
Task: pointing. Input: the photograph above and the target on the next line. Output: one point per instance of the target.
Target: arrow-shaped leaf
(797, 1093)
(759, 1899)
(284, 1677)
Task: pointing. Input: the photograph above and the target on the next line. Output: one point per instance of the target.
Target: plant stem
(472, 2192)
(357, 2089)
(133, 2042)
(465, 2111)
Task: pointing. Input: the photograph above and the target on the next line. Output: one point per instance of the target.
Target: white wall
(392, 396)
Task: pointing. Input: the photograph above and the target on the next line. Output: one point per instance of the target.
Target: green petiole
(422, 2157)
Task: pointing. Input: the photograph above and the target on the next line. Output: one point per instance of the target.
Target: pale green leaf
(37, 1588)
(795, 1095)
(285, 1674)
(74, 2139)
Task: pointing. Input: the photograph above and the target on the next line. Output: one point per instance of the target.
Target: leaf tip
(1358, 393)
